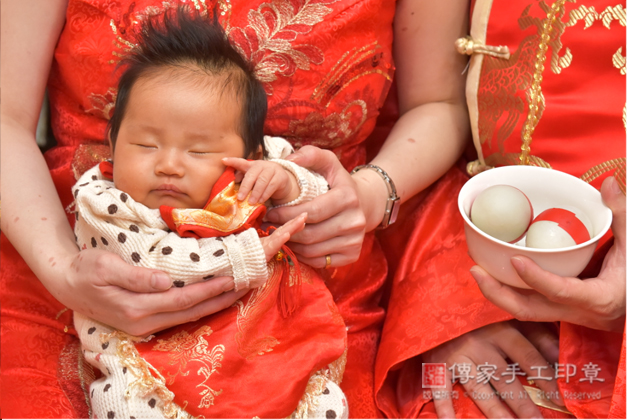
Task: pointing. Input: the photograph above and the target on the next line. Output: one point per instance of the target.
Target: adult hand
(138, 300)
(486, 349)
(597, 303)
(336, 223)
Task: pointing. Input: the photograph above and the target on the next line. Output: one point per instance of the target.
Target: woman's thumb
(614, 198)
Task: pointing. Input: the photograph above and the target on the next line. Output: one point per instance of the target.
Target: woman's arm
(424, 143)
(94, 282)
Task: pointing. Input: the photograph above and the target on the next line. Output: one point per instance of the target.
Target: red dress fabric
(581, 130)
(326, 66)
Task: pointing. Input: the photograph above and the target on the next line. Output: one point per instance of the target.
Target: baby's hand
(264, 180)
(272, 244)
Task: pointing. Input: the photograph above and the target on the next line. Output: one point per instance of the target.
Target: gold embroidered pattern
(614, 13)
(358, 62)
(610, 165)
(536, 98)
(184, 348)
(149, 380)
(331, 131)
(268, 39)
(249, 316)
(619, 61)
(316, 386)
(102, 105)
(585, 13)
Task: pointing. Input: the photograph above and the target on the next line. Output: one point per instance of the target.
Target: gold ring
(328, 261)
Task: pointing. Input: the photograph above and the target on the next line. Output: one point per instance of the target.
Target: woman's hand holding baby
(134, 299)
(272, 243)
(264, 180)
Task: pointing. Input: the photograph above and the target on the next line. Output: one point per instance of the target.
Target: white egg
(548, 235)
(503, 212)
(556, 228)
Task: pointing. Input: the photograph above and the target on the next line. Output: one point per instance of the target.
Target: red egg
(556, 228)
(503, 212)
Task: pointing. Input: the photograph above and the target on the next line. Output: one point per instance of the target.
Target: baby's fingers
(238, 163)
(273, 243)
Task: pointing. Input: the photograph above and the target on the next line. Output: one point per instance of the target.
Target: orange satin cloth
(325, 88)
(433, 298)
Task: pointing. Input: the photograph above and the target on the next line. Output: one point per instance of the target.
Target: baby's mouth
(169, 189)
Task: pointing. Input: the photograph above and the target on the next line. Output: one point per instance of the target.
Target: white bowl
(545, 188)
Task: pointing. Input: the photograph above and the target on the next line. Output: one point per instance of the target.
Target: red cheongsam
(326, 66)
(578, 128)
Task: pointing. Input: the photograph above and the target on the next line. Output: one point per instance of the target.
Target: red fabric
(433, 298)
(325, 90)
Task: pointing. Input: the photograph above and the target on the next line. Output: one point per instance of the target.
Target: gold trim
(536, 98)
(537, 396)
(610, 165)
(468, 46)
(478, 31)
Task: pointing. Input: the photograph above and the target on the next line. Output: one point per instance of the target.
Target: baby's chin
(166, 201)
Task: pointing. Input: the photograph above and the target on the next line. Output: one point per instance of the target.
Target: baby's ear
(257, 155)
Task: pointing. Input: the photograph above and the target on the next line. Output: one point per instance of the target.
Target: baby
(187, 128)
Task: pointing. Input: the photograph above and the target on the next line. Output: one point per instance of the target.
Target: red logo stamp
(433, 375)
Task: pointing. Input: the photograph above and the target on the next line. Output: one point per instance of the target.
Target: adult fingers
(565, 290)
(614, 198)
(524, 307)
(160, 321)
(542, 337)
(442, 398)
(537, 368)
(273, 243)
(343, 250)
(482, 394)
(111, 270)
(137, 306)
(319, 209)
(510, 392)
(318, 160)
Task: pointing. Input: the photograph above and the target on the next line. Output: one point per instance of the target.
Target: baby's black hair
(183, 38)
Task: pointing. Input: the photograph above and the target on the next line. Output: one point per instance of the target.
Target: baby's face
(172, 139)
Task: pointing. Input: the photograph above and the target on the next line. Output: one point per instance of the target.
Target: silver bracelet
(394, 201)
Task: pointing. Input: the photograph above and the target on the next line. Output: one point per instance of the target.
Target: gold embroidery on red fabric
(614, 13)
(316, 386)
(102, 105)
(149, 380)
(535, 96)
(331, 131)
(249, 344)
(610, 165)
(87, 156)
(619, 61)
(268, 40)
(184, 348)
(588, 14)
(353, 65)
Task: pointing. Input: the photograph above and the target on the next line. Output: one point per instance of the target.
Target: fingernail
(240, 197)
(519, 265)
(291, 157)
(230, 285)
(476, 274)
(160, 281)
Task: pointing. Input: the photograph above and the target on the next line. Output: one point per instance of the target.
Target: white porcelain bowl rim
(463, 192)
